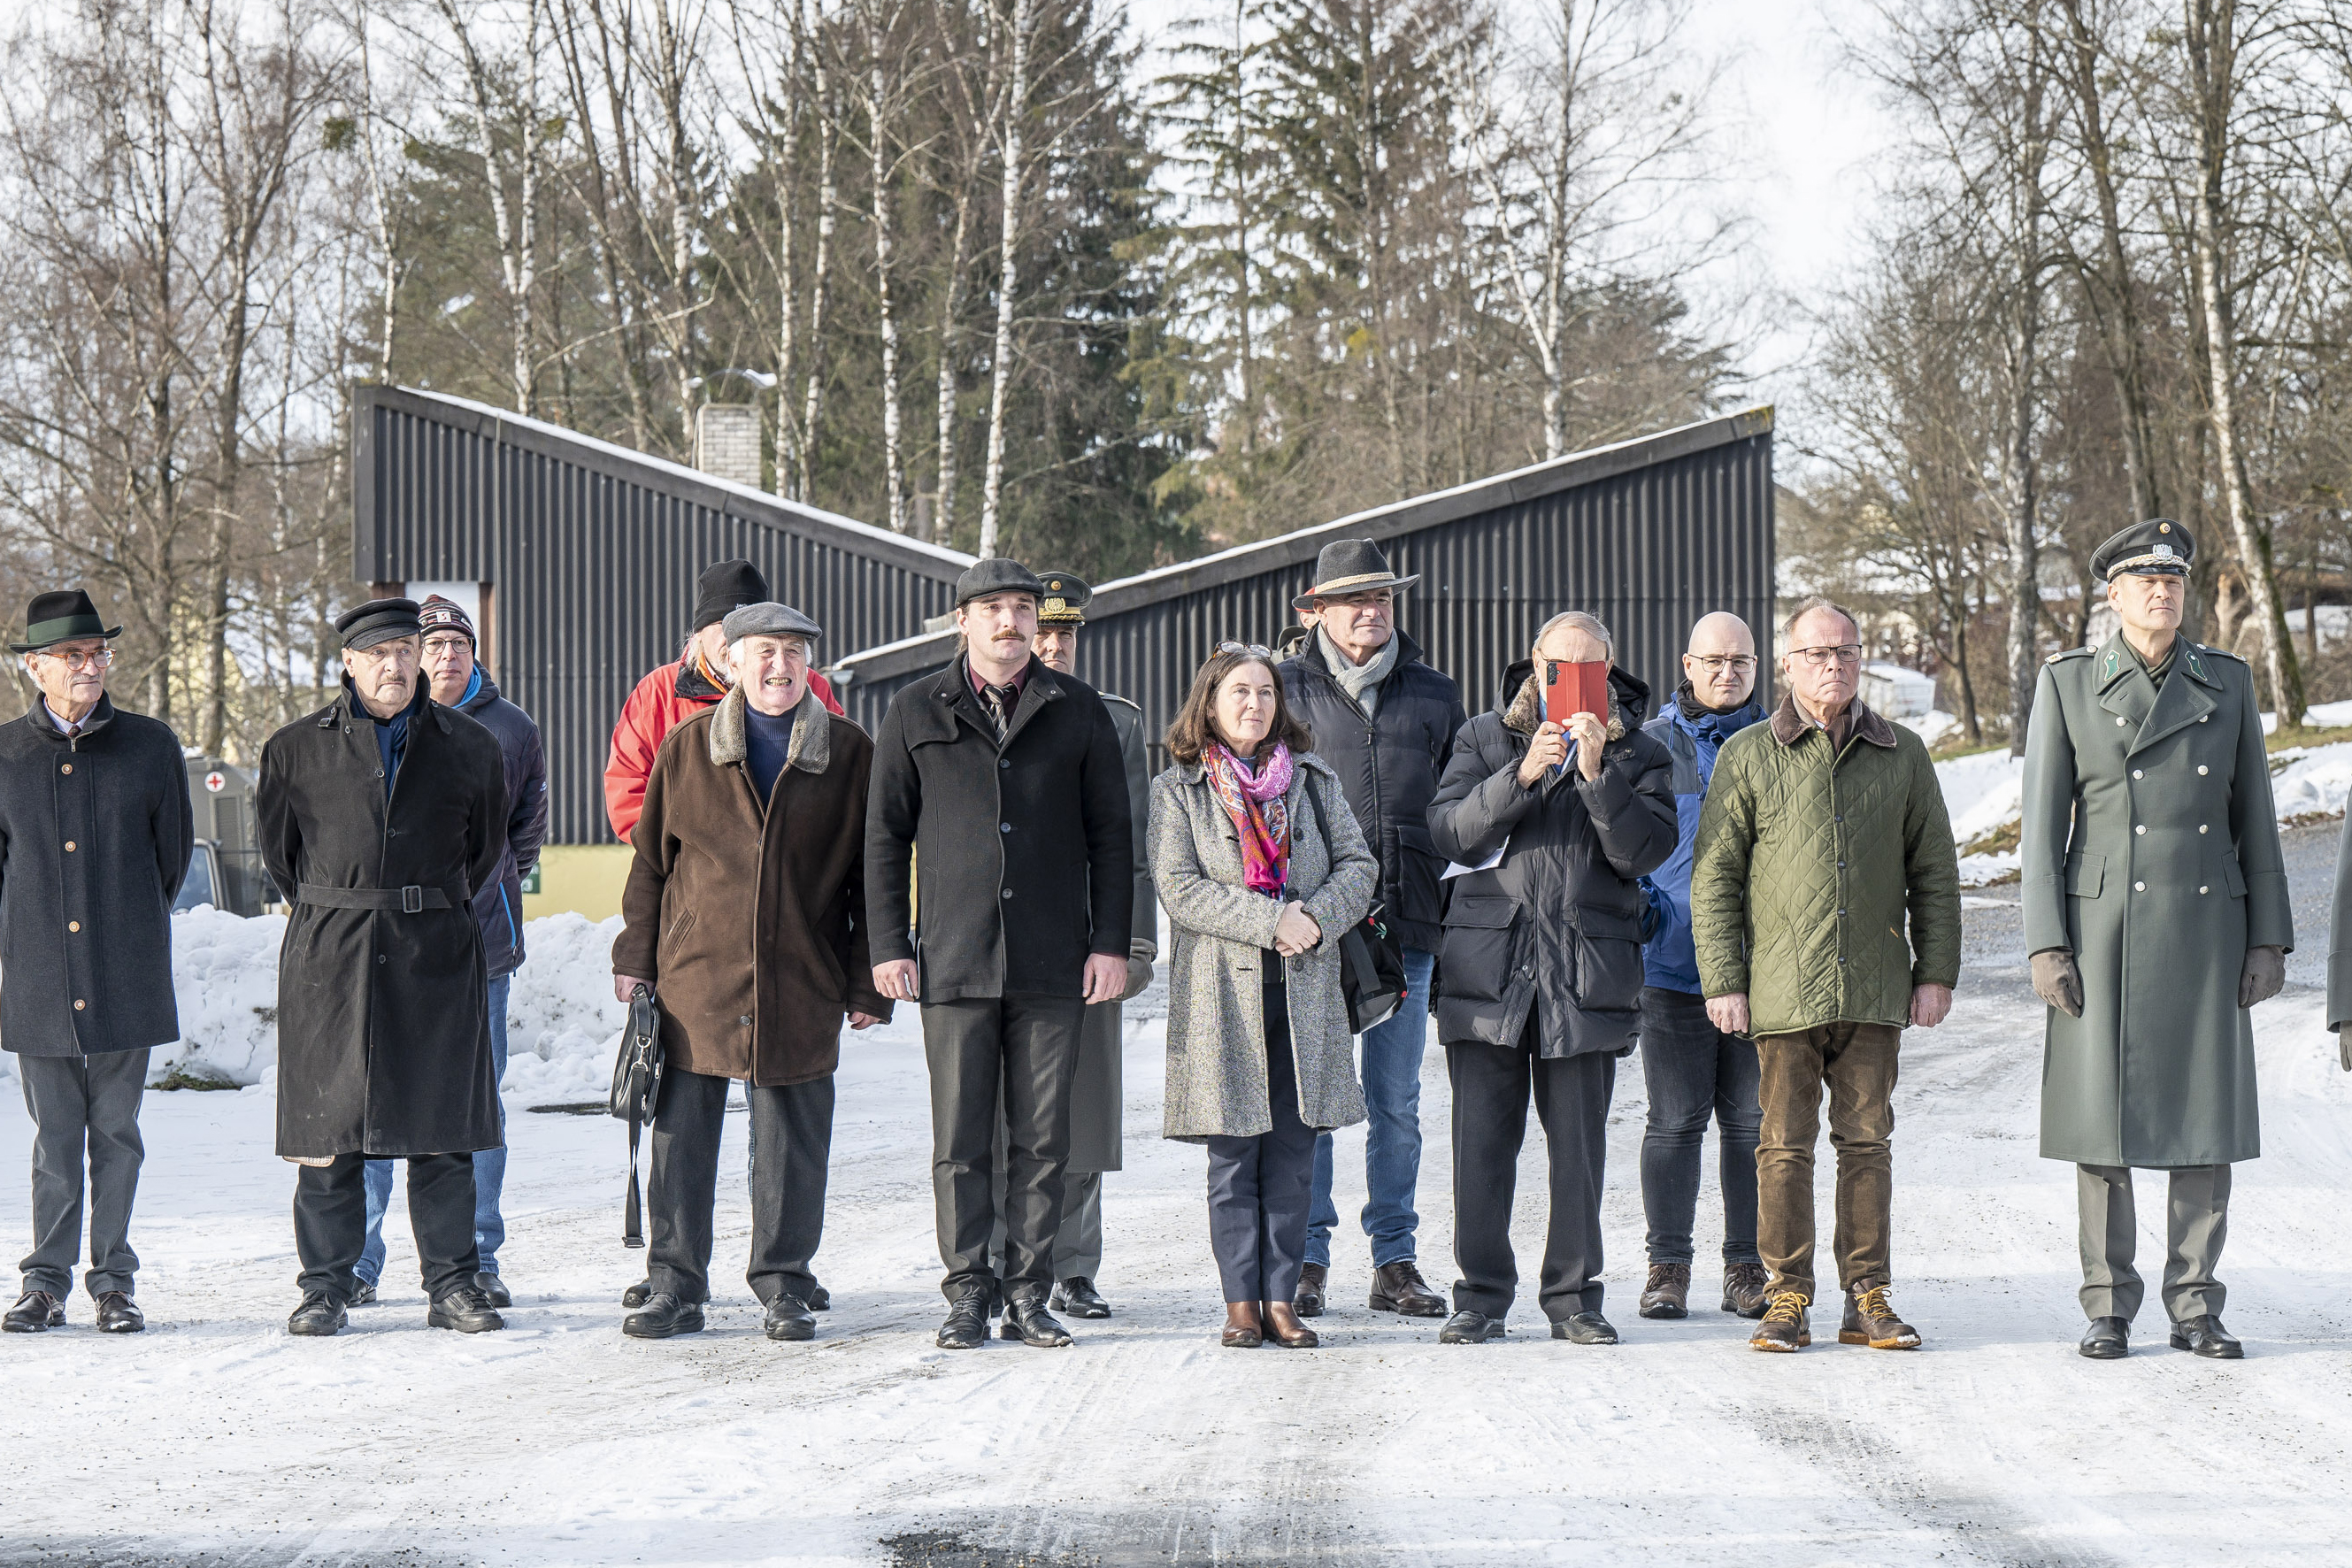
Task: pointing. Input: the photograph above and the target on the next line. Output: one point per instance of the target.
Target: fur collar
(811, 746)
(1526, 712)
(1789, 726)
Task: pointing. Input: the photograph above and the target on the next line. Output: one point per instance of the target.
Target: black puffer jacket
(498, 906)
(1388, 767)
(1556, 926)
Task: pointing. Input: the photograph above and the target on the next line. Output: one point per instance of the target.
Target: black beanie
(726, 585)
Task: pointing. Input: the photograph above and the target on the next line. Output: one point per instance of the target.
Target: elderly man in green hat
(2157, 914)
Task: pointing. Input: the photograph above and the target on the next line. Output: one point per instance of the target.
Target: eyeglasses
(1253, 649)
(81, 659)
(1716, 663)
(1822, 657)
(446, 645)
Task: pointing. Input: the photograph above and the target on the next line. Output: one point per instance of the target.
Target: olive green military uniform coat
(2151, 850)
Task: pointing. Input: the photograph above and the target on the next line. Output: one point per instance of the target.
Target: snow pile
(2314, 781)
(1983, 870)
(562, 1022)
(1935, 726)
(2319, 716)
(1984, 792)
(224, 973)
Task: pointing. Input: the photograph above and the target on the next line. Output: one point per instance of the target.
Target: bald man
(1693, 1070)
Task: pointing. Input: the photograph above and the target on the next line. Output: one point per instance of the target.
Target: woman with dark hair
(1259, 876)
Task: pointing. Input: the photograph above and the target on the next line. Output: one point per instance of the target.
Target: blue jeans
(489, 1170)
(1695, 1073)
(1392, 1074)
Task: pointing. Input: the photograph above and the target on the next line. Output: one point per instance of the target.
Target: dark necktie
(1000, 700)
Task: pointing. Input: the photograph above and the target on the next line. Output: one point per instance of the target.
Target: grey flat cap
(768, 619)
(996, 575)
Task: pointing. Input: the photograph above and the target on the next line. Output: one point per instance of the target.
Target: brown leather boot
(1743, 1289)
(1399, 1288)
(1310, 1300)
(1784, 1329)
(1243, 1329)
(1870, 1320)
(1667, 1295)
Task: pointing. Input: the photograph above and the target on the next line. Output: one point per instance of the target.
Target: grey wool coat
(1221, 932)
(2150, 850)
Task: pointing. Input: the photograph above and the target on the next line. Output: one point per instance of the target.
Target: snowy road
(216, 1439)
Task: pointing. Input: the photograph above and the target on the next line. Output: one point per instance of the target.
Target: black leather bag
(1372, 959)
(637, 1092)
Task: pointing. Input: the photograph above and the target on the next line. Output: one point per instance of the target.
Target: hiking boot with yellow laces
(1784, 1329)
(1870, 1321)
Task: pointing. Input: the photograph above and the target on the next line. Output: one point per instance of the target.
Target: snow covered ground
(214, 1438)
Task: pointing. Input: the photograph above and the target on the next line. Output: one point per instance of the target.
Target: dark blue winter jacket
(497, 908)
(1694, 736)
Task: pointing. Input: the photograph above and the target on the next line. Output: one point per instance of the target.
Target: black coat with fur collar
(1551, 934)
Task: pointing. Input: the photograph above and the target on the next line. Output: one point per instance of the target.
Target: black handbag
(1372, 959)
(637, 1092)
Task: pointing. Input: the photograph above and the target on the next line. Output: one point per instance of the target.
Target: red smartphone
(1577, 689)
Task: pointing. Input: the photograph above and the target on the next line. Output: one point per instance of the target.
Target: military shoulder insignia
(1122, 701)
(2217, 652)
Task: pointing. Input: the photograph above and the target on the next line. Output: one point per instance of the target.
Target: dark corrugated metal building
(586, 556)
(1648, 534)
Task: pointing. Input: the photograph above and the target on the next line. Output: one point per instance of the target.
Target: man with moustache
(1007, 777)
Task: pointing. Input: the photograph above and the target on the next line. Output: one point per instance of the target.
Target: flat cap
(1065, 601)
(2160, 546)
(996, 575)
(378, 620)
(769, 619)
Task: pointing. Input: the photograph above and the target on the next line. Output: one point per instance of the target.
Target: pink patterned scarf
(1253, 800)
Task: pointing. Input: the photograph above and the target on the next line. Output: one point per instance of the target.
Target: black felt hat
(1065, 601)
(996, 575)
(2158, 546)
(61, 616)
(1349, 566)
(726, 585)
(378, 620)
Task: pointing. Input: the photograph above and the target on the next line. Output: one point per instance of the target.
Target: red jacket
(661, 700)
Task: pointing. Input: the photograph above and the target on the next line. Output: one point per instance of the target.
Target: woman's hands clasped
(1295, 932)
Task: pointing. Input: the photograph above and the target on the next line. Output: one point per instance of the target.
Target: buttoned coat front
(1219, 933)
(2150, 849)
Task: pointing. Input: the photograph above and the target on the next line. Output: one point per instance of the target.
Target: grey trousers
(1078, 1244)
(792, 1143)
(77, 1101)
(1023, 1049)
(2197, 1223)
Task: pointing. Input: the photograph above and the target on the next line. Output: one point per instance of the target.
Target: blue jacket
(497, 908)
(1669, 960)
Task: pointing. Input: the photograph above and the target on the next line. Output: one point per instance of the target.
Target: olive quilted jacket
(1808, 864)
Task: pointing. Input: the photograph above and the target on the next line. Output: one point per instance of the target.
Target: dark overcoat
(498, 903)
(94, 840)
(1028, 855)
(1389, 765)
(384, 1041)
(2150, 849)
(1550, 933)
(1098, 1092)
(748, 916)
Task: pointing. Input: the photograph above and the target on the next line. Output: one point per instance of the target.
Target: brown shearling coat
(752, 925)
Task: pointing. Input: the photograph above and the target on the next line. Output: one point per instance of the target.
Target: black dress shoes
(117, 1315)
(1468, 1328)
(1399, 1288)
(363, 1294)
(2204, 1335)
(466, 1310)
(967, 1325)
(495, 1290)
(664, 1316)
(818, 1298)
(638, 1294)
(1585, 1329)
(1077, 1296)
(2107, 1338)
(35, 1311)
(1026, 1320)
(318, 1316)
(1310, 1300)
(789, 1319)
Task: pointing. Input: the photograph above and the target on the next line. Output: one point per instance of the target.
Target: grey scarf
(1361, 682)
